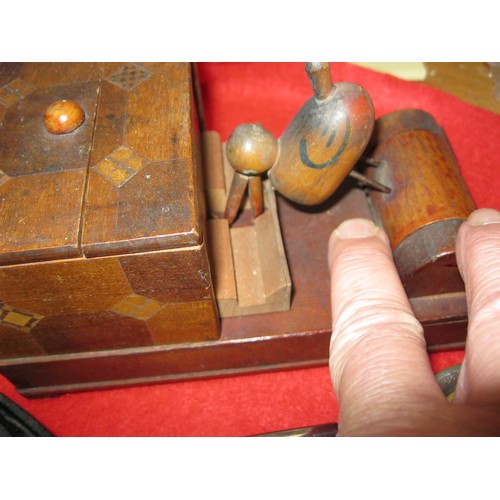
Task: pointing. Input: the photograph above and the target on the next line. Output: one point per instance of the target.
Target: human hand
(378, 360)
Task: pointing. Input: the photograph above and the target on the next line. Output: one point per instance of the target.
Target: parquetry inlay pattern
(120, 166)
(138, 307)
(14, 91)
(18, 319)
(129, 76)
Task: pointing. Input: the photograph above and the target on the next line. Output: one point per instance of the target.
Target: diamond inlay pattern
(14, 91)
(130, 76)
(120, 166)
(15, 318)
(138, 307)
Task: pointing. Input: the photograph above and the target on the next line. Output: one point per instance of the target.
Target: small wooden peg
(320, 78)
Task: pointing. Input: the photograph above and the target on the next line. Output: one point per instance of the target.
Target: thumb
(378, 360)
(478, 257)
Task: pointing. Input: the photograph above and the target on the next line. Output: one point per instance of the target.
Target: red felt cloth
(237, 406)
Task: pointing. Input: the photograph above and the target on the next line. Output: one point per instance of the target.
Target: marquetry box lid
(123, 182)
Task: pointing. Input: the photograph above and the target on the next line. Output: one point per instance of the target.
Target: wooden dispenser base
(249, 269)
(298, 337)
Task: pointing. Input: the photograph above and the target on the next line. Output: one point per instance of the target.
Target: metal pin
(369, 182)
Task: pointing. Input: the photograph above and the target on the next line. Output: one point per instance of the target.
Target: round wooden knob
(62, 117)
(251, 149)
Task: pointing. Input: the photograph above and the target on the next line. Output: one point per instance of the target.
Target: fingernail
(484, 216)
(356, 228)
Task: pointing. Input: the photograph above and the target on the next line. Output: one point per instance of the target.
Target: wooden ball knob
(251, 149)
(63, 117)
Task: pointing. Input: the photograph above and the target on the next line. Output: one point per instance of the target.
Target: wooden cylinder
(428, 202)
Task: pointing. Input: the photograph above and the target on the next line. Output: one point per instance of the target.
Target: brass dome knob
(63, 117)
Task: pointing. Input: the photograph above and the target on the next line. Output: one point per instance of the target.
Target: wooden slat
(221, 257)
(214, 182)
(275, 276)
(247, 266)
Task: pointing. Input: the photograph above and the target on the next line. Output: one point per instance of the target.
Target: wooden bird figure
(317, 151)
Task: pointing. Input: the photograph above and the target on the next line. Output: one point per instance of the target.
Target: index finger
(378, 358)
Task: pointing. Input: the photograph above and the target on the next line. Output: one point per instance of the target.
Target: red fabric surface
(245, 405)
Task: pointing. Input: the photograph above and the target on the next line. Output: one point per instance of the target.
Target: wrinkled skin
(379, 365)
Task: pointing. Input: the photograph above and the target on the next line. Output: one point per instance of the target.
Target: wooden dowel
(235, 196)
(256, 197)
(320, 78)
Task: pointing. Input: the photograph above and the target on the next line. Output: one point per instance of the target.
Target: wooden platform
(298, 337)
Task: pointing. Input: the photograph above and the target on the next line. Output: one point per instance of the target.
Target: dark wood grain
(14, 343)
(49, 74)
(99, 331)
(159, 114)
(40, 216)
(9, 72)
(178, 323)
(75, 286)
(42, 202)
(26, 147)
(169, 276)
(142, 179)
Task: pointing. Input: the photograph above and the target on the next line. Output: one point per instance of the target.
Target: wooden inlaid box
(102, 230)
